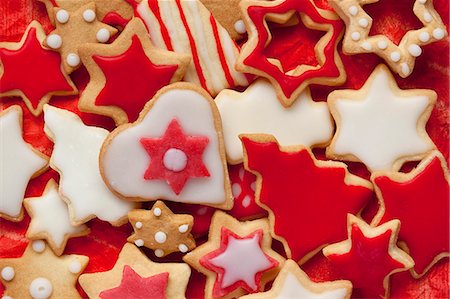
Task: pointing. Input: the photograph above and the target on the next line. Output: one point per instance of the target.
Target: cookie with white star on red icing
(237, 259)
(177, 151)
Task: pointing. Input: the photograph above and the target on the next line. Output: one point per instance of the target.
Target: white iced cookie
(381, 125)
(19, 163)
(258, 111)
(75, 156)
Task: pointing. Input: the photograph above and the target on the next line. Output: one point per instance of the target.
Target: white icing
(236, 190)
(424, 36)
(51, 216)
(103, 35)
(157, 212)
(183, 248)
(239, 26)
(241, 261)
(138, 225)
(160, 237)
(75, 156)
(438, 33)
(159, 252)
(356, 36)
(183, 228)
(246, 201)
(257, 110)
(353, 10)
(414, 50)
(395, 56)
(8, 273)
(89, 15)
(139, 242)
(38, 246)
(382, 44)
(193, 113)
(18, 163)
(427, 17)
(75, 267)
(73, 59)
(54, 41)
(175, 160)
(62, 16)
(363, 22)
(381, 127)
(41, 288)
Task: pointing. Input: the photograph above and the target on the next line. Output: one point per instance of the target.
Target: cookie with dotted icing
(161, 230)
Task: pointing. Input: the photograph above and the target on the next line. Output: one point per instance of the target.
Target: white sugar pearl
(414, 50)
(236, 189)
(395, 56)
(183, 248)
(356, 36)
(41, 288)
(38, 246)
(73, 59)
(366, 46)
(159, 252)
(353, 10)
(7, 297)
(246, 201)
(8, 273)
(175, 160)
(382, 44)
(438, 33)
(103, 35)
(138, 225)
(363, 22)
(427, 17)
(89, 15)
(160, 237)
(239, 26)
(54, 41)
(183, 228)
(424, 36)
(62, 16)
(139, 242)
(405, 69)
(75, 267)
(422, 1)
(157, 212)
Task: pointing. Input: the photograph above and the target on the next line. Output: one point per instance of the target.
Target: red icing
(258, 60)
(132, 79)
(133, 286)
(33, 70)
(205, 261)
(114, 19)
(174, 137)
(154, 7)
(307, 213)
(367, 263)
(422, 206)
(222, 58)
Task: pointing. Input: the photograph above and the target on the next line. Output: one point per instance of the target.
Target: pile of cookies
(217, 159)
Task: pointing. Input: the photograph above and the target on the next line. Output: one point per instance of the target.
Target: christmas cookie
(289, 84)
(74, 29)
(40, 274)
(75, 156)
(19, 163)
(380, 124)
(420, 200)
(50, 219)
(317, 195)
(187, 27)
(134, 276)
(369, 257)
(126, 74)
(32, 72)
(292, 282)
(161, 230)
(237, 258)
(177, 149)
(305, 123)
(400, 57)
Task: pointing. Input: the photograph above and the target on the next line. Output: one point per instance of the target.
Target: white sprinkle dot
(382, 44)
(160, 237)
(253, 186)
(414, 50)
(62, 16)
(89, 15)
(202, 211)
(38, 246)
(139, 242)
(241, 173)
(424, 36)
(427, 17)
(8, 273)
(438, 33)
(157, 212)
(75, 267)
(239, 26)
(356, 36)
(103, 35)
(183, 248)
(366, 46)
(405, 69)
(54, 41)
(138, 225)
(236, 189)
(395, 56)
(246, 201)
(41, 288)
(159, 252)
(183, 228)
(73, 59)
(353, 10)
(363, 22)
(175, 160)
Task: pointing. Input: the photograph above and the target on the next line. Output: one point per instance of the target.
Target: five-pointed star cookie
(32, 72)
(75, 29)
(401, 57)
(237, 259)
(161, 230)
(19, 163)
(39, 273)
(292, 283)
(94, 284)
(381, 125)
(50, 219)
(126, 74)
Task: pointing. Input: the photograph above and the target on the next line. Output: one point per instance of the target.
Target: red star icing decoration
(32, 72)
(290, 84)
(134, 286)
(420, 200)
(308, 200)
(369, 257)
(175, 143)
(231, 253)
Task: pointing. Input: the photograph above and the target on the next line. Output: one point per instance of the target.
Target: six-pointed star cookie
(39, 273)
(96, 283)
(19, 163)
(420, 200)
(292, 282)
(237, 258)
(32, 72)
(126, 74)
(381, 125)
(161, 230)
(369, 257)
(50, 219)
(401, 57)
(77, 28)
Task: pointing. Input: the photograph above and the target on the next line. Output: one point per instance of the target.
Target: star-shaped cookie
(292, 283)
(380, 124)
(32, 72)
(50, 219)
(161, 230)
(39, 273)
(19, 163)
(130, 256)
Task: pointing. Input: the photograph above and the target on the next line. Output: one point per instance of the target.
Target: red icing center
(131, 79)
(114, 19)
